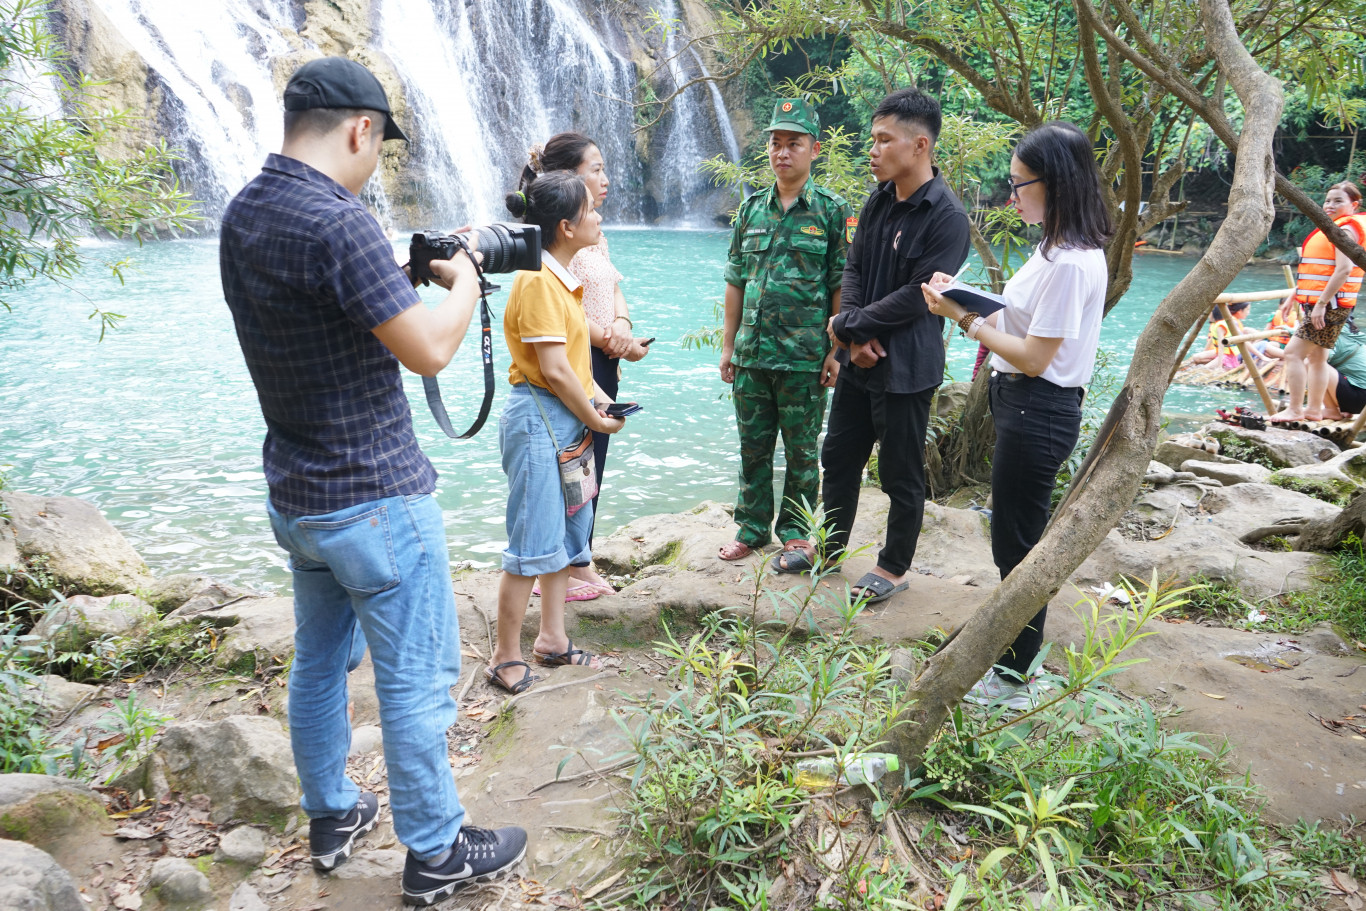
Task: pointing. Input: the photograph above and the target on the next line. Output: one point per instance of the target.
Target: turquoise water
(158, 424)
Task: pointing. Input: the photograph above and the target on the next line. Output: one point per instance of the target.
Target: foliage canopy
(56, 180)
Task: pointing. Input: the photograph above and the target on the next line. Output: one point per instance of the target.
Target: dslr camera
(506, 248)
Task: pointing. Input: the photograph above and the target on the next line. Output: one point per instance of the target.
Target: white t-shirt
(1059, 297)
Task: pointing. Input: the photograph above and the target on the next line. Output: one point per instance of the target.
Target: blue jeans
(384, 566)
(541, 538)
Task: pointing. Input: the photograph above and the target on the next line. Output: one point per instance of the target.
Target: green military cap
(795, 114)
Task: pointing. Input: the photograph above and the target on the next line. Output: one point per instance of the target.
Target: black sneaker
(478, 855)
(330, 840)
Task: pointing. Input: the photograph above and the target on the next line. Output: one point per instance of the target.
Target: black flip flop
(795, 561)
(881, 588)
(521, 686)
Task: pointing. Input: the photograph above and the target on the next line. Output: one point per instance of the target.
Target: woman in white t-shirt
(1043, 347)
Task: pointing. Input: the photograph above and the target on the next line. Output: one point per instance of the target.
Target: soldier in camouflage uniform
(782, 286)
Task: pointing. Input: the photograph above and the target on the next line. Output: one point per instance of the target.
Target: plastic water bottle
(855, 768)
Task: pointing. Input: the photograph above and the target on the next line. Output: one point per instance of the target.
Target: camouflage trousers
(769, 402)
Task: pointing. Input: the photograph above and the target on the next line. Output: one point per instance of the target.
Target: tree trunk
(1119, 457)
(1329, 534)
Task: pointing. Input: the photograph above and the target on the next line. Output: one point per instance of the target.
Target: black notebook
(983, 303)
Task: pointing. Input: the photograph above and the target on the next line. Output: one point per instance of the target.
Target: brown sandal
(521, 686)
(571, 655)
(735, 550)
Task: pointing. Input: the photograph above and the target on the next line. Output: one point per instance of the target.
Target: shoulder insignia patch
(850, 226)
(813, 230)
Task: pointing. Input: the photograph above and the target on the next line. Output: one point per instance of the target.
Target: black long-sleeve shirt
(896, 247)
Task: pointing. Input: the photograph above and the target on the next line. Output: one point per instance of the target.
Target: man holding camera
(325, 317)
(782, 285)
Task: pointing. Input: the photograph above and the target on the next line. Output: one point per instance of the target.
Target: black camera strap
(429, 383)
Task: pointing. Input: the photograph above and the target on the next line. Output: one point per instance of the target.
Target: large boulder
(58, 695)
(48, 812)
(1230, 472)
(1280, 448)
(242, 763)
(30, 880)
(258, 630)
(1340, 476)
(1203, 552)
(81, 619)
(1181, 448)
(1244, 507)
(82, 551)
(192, 593)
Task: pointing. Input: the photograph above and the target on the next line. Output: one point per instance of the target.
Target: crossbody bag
(578, 479)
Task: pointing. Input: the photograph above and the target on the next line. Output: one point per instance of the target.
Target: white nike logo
(463, 874)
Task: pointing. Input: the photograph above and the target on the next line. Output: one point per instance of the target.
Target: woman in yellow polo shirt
(552, 390)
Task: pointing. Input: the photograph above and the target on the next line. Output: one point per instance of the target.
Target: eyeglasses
(1015, 187)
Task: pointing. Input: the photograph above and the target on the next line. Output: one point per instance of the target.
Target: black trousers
(1037, 424)
(605, 375)
(859, 417)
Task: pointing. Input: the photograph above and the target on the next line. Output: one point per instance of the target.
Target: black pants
(1037, 424)
(859, 417)
(605, 375)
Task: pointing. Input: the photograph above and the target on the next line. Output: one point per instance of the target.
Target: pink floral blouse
(593, 267)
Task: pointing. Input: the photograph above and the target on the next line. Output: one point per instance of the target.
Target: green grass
(1339, 597)
(1093, 799)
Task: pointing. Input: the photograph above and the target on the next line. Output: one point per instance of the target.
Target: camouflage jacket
(788, 264)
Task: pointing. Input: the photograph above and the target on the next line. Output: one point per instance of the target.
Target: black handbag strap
(429, 384)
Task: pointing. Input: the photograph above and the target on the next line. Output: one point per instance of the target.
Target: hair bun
(517, 203)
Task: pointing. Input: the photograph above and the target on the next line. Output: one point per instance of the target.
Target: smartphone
(646, 343)
(622, 409)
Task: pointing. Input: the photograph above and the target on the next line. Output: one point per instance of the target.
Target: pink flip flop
(584, 591)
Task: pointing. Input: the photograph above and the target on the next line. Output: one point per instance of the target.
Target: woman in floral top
(609, 322)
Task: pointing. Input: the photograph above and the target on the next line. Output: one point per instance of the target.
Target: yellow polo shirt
(546, 306)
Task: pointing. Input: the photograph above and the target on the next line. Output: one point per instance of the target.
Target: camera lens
(509, 247)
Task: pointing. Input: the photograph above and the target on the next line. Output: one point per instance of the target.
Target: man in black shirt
(911, 227)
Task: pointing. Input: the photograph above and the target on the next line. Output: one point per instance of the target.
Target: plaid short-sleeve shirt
(308, 275)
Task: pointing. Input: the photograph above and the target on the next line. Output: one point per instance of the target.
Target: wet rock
(84, 552)
(59, 695)
(178, 884)
(30, 880)
(242, 845)
(243, 764)
(1343, 474)
(81, 619)
(245, 898)
(1282, 448)
(45, 811)
(1228, 473)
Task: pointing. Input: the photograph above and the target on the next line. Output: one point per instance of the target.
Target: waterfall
(487, 79)
(212, 62)
(482, 79)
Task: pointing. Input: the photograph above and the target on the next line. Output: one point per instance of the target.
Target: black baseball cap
(337, 82)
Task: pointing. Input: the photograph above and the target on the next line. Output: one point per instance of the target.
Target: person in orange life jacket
(1218, 331)
(1328, 282)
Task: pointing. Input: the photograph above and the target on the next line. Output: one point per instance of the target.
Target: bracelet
(966, 319)
(627, 318)
(976, 327)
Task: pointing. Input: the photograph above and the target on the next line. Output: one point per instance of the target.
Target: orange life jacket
(1317, 261)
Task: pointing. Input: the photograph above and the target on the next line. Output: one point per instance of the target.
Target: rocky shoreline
(205, 814)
